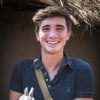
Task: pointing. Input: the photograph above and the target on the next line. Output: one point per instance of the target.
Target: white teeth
(52, 42)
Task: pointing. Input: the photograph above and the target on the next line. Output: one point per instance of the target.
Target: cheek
(41, 36)
(64, 37)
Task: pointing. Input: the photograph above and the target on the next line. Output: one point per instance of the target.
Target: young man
(67, 78)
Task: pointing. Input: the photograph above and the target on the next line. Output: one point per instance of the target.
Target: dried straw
(87, 11)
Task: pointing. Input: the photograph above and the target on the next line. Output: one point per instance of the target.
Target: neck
(52, 61)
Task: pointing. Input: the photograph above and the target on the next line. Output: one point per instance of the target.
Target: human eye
(60, 28)
(46, 28)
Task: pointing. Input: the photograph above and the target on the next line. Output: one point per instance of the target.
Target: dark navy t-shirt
(73, 80)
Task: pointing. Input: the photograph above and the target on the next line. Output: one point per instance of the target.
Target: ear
(37, 36)
(68, 35)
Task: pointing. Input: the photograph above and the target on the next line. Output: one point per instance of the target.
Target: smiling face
(53, 34)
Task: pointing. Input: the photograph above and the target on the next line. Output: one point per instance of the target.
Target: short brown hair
(51, 11)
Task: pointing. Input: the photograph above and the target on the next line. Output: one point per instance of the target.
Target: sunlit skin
(52, 35)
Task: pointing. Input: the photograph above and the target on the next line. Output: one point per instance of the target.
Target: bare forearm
(14, 95)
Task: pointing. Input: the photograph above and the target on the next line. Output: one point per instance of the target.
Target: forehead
(59, 20)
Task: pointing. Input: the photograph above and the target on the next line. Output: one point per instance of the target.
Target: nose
(52, 34)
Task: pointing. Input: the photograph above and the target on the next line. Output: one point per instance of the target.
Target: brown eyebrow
(56, 25)
(45, 26)
(60, 26)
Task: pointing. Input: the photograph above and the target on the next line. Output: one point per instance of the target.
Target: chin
(52, 51)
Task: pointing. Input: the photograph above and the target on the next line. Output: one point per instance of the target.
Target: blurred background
(17, 41)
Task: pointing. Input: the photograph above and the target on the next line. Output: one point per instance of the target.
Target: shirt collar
(37, 63)
(68, 61)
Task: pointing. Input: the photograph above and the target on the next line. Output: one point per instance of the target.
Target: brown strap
(42, 84)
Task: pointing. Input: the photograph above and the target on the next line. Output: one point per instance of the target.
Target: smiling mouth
(53, 42)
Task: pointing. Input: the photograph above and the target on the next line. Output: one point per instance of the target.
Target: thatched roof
(87, 11)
